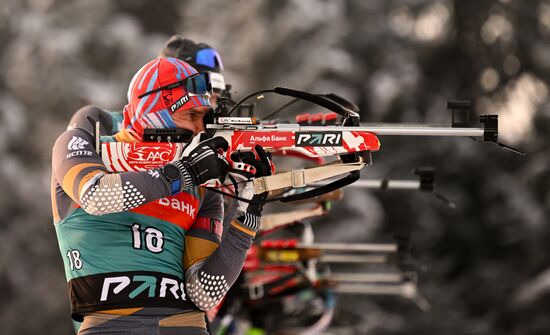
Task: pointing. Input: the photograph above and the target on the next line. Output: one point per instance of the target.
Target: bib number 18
(74, 259)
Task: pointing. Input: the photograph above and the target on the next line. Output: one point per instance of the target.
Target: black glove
(250, 212)
(203, 163)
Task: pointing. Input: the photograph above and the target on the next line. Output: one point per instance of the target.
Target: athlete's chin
(187, 126)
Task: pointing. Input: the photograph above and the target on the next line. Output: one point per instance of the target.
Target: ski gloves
(202, 162)
(250, 211)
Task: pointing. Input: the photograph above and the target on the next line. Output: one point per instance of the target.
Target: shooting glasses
(197, 84)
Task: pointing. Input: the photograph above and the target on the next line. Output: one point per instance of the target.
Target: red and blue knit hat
(154, 110)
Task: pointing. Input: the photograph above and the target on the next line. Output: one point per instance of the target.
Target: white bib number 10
(154, 238)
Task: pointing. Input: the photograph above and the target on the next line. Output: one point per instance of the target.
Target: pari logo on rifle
(319, 139)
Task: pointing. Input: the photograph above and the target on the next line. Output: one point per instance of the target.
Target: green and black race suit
(128, 243)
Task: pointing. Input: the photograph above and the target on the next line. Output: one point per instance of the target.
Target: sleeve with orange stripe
(204, 236)
(213, 264)
(80, 172)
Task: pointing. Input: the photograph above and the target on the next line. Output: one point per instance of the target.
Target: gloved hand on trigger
(201, 162)
(249, 213)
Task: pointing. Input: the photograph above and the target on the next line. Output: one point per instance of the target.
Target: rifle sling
(350, 178)
(303, 177)
(306, 176)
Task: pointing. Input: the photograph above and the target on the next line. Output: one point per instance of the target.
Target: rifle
(290, 251)
(351, 141)
(424, 183)
(275, 268)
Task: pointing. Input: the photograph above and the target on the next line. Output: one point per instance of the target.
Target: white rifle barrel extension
(379, 184)
(367, 277)
(405, 130)
(378, 129)
(406, 289)
(353, 247)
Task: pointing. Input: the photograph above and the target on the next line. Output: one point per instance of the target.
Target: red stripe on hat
(147, 68)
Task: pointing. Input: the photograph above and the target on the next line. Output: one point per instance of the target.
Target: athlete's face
(191, 119)
(214, 99)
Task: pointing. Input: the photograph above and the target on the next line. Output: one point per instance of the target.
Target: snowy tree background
(486, 269)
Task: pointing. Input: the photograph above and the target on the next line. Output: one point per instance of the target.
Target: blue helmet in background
(201, 56)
